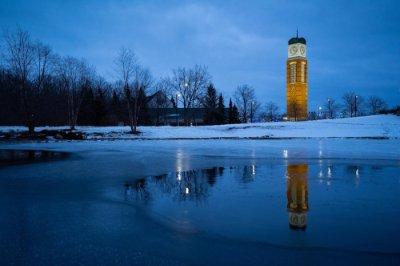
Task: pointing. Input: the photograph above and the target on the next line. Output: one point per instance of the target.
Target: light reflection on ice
(179, 175)
(253, 169)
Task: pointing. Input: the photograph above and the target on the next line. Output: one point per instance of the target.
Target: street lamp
(329, 108)
(177, 95)
(355, 106)
(320, 112)
(251, 111)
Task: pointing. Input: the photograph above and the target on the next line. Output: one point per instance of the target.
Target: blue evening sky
(352, 45)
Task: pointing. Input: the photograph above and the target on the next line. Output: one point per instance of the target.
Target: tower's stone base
(297, 90)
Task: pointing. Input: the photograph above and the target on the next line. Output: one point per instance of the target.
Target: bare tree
(254, 110)
(246, 102)
(352, 104)
(135, 80)
(188, 86)
(137, 93)
(126, 65)
(331, 108)
(271, 112)
(294, 110)
(75, 75)
(20, 58)
(376, 104)
(42, 64)
(348, 103)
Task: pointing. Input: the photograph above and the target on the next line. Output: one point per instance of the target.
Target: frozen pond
(203, 202)
(10, 157)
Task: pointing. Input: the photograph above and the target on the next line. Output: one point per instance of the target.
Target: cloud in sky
(206, 26)
(350, 44)
(204, 34)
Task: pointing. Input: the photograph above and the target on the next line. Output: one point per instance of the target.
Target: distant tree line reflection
(8, 156)
(195, 186)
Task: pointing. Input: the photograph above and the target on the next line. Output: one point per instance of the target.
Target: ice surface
(78, 210)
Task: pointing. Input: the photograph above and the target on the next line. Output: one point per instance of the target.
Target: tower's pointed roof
(297, 39)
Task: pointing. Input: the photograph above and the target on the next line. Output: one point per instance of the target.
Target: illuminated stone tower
(297, 80)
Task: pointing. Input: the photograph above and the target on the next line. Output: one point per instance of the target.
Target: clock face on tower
(302, 50)
(297, 50)
(293, 50)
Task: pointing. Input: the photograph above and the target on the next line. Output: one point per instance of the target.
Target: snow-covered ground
(378, 126)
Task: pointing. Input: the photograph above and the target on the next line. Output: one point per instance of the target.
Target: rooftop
(297, 40)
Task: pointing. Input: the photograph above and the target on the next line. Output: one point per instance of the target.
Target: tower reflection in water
(197, 186)
(297, 195)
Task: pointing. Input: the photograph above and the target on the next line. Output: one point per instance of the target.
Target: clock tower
(297, 80)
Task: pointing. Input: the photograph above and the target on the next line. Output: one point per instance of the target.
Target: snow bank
(378, 126)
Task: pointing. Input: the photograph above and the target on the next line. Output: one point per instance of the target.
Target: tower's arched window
(303, 72)
(292, 72)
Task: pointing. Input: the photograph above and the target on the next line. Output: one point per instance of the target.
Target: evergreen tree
(86, 112)
(230, 111)
(174, 105)
(233, 113)
(221, 116)
(116, 109)
(235, 116)
(100, 108)
(210, 105)
(143, 117)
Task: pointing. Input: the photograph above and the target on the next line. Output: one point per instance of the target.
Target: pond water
(325, 203)
(9, 156)
(200, 202)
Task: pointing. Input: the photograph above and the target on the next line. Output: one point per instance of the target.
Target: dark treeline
(39, 87)
(49, 106)
(353, 105)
